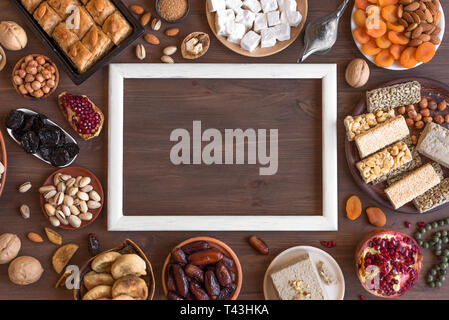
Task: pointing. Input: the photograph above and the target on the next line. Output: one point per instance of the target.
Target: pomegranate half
(388, 263)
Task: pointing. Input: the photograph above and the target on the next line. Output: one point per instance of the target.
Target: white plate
(37, 155)
(333, 292)
(396, 65)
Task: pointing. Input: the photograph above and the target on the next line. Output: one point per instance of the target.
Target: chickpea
(29, 78)
(439, 119)
(425, 112)
(401, 110)
(423, 103)
(414, 139)
(409, 122)
(428, 119)
(419, 124)
(442, 105)
(446, 118)
(18, 80)
(36, 85)
(412, 114)
(410, 107)
(433, 105)
(22, 89)
(418, 117)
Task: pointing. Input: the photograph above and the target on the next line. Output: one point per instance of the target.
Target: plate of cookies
(397, 145)
(256, 28)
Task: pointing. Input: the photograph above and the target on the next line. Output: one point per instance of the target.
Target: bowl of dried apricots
(398, 34)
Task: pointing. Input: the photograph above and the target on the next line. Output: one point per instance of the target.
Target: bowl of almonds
(35, 76)
(71, 198)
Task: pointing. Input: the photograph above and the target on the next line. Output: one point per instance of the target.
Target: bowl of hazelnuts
(35, 76)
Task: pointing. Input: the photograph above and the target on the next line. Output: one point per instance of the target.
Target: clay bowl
(17, 67)
(3, 57)
(74, 172)
(128, 246)
(216, 244)
(3, 160)
(156, 4)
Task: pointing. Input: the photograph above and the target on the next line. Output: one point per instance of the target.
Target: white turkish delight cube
(234, 4)
(216, 5)
(227, 14)
(236, 31)
(294, 18)
(252, 5)
(268, 38)
(260, 22)
(283, 17)
(245, 17)
(282, 31)
(221, 18)
(287, 5)
(273, 18)
(268, 5)
(250, 41)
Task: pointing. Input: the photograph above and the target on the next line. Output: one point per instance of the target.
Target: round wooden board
(429, 87)
(74, 172)
(262, 52)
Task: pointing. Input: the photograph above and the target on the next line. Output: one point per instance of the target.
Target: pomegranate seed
(421, 224)
(362, 298)
(324, 243)
(407, 224)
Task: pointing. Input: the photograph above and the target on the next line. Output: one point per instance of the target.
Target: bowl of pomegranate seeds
(83, 115)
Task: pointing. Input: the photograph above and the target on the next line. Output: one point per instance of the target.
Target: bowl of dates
(41, 137)
(202, 268)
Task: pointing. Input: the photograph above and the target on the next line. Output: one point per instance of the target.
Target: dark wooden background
(22, 167)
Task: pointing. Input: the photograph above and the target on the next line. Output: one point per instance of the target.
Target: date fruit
(182, 285)
(211, 284)
(223, 275)
(198, 291)
(174, 296)
(169, 280)
(259, 245)
(93, 244)
(195, 246)
(204, 257)
(225, 293)
(194, 272)
(179, 256)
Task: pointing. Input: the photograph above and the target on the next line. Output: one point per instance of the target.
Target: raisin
(93, 244)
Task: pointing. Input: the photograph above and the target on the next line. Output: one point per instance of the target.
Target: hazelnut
(446, 118)
(423, 103)
(414, 139)
(433, 105)
(418, 117)
(22, 89)
(40, 60)
(18, 80)
(412, 114)
(28, 58)
(36, 85)
(357, 73)
(419, 124)
(45, 89)
(439, 119)
(40, 77)
(425, 112)
(28, 88)
(46, 74)
(428, 119)
(401, 110)
(38, 94)
(410, 107)
(442, 105)
(409, 122)
(23, 65)
(32, 63)
(31, 70)
(51, 83)
(22, 73)
(29, 78)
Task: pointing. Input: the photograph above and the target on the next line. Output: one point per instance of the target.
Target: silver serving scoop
(321, 34)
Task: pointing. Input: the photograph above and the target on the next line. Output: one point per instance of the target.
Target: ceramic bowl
(156, 4)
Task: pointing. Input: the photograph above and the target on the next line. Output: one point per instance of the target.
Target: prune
(14, 120)
(28, 122)
(45, 152)
(72, 149)
(49, 136)
(30, 142)
(39, 123)
(59, 157)
(18, 134)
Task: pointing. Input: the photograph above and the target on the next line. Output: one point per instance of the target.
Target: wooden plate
(262, 52)
(3, 159)
(74, 172)
(216, 244)
(432, 88)
(126, 247)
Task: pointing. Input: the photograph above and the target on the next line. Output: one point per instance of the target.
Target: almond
(412, 6)
(172, 32)
(168, 51)
(113, 27)
(435, 40)
(145, 19)
(167, 59)
(93, 38)
(151, 39)
(136, 9)
(32, 236)
(41, 12)
(99, 5)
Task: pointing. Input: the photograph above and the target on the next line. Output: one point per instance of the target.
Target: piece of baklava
(64, 37)
(47, 18)
(80, 56)
(63, 7)
(117, 28)
(85, 22)
(31, 5)
(100, 10)
(97, 42)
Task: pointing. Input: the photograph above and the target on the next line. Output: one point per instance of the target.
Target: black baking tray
(59, 55)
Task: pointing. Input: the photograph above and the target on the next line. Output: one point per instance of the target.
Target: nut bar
(395, 96)
(434, 143)
(433, 198)
(362, 123)
(398, 177)
(384, 161)
(411, 165)
(412, 185)
(382, 135)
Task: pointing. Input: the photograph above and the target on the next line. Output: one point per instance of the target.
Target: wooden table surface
(22, 167)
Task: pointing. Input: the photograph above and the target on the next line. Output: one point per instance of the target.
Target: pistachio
(56, 179)
(72, 191)
(87, 188)
(68, 200)
(25, 211)
(45, 189)
(74, 210)
(25, 187)
(82, 195)
(168, 51)
(83, 207)
(65, 177)
(77, 181)
(84, 182)
(54, 221)
(86, 216)
(94, 196)
(49, 209)
(140, 52)
(156, 24)
(66, 210)
(61, 187)
(59, 198)
(74, 221)
(93, 204)
(50, 194)
(167, 59)
(69, 183)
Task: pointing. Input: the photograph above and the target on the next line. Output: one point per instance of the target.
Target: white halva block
(252, 5)
(294, 18)
(245, 17)
(268, 38)
(234, 4)
(268, 5)
(273, 18)
(260, 22)
(236, 31)
(250, 41)
(216, 5)
(282, 32)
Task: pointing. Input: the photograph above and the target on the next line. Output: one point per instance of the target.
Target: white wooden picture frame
(117, 221)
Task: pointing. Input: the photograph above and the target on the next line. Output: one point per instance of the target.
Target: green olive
(418, 236)
(433, 272)
(442, 278)
(432, 284)
(443, 272)
(434, 225)
(437, 234)
(425, 245)
(444, 233)
(438, 252)
(445, 240)
(441, 223)
(428, 226)
(419, 242)
(438, 247)
(444, 259)
(430, 278)
(447, 220)
(444, 265)
(438, 284)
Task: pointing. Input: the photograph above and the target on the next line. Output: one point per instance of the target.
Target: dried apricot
(361, 4)
(360, 18)
(425, 52)
(396, 51)
(361, 36)
(370, 48)
(353, 207)
(384, 59)
(376, 216)
(408, 59)
(398, 37)
(376, 28)
(395, 27)
(390, 13)
(384, 3)
(383, 42)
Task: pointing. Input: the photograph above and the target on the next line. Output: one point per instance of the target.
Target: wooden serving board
(262, 52)
(429, 88)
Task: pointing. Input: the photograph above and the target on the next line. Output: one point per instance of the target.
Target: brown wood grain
(22, 167)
